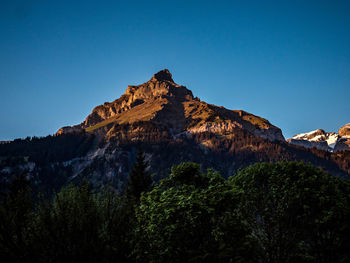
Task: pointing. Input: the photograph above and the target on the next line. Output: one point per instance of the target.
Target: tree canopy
(296, 212)
(192, 217)
(268, 212)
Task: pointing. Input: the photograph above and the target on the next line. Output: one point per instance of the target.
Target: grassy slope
(143, 112)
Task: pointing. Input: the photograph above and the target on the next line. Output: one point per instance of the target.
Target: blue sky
(287, 61)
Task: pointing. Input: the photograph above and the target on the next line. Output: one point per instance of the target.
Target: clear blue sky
(287, 61)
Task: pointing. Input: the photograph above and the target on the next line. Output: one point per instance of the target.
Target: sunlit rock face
(173, 109)
(153, 95)
(344, 142)
(345, 130)
(69, 129)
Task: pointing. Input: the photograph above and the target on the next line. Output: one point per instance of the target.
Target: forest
(267, 212)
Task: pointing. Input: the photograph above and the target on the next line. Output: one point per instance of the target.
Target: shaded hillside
(225, 154)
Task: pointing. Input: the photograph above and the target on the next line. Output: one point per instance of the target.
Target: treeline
(268, 212)
(43, 150)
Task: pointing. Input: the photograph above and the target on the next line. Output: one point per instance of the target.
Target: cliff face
(344, 131)
(141, 103)
(163, 103)
(343, 143)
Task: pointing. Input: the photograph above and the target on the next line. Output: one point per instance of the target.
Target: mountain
(316, 139)
(172, 108)
(171, 126)
(328, 141)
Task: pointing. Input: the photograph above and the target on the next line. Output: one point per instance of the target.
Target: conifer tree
(15, 216)
(139, 180)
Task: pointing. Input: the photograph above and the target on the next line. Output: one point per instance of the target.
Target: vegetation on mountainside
(100, 124)
(268, 212)
(53, 161)
(48, 149)
(139, 180)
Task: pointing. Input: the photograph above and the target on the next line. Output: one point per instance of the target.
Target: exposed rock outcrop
(343, 144)
(69, 129)
(155, 92)
(345, 130)
(164, 103)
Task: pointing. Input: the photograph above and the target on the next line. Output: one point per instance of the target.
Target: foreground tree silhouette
(139, 180)
(297, 213)
(68, 228)
(79, 225)
(16, 207)
(269, 212)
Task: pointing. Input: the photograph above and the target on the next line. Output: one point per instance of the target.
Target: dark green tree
(297, 213)
(118, 221)
(139, 180)
(188, 174)
(69, 228)
(192, 217)
(82, 226)
(16, 215)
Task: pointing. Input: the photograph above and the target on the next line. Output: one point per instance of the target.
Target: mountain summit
(171, 109)
(163, 75)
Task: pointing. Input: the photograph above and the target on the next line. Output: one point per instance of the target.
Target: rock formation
(173, 108)
(344, 131)
(343, 143)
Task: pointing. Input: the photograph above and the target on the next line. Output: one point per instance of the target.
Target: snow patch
(331, 138)
(302, 135)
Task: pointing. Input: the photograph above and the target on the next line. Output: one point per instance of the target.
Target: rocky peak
(345, 130)
(163, 75)
(343, 143)
(316, 139)
(328, 141)
(163, 103)
(160, 85)
(148, 98)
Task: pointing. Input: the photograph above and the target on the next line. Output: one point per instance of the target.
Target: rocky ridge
(165, 105)
(328, 141)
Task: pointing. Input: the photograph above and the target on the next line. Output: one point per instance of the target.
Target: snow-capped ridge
(320, 139)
